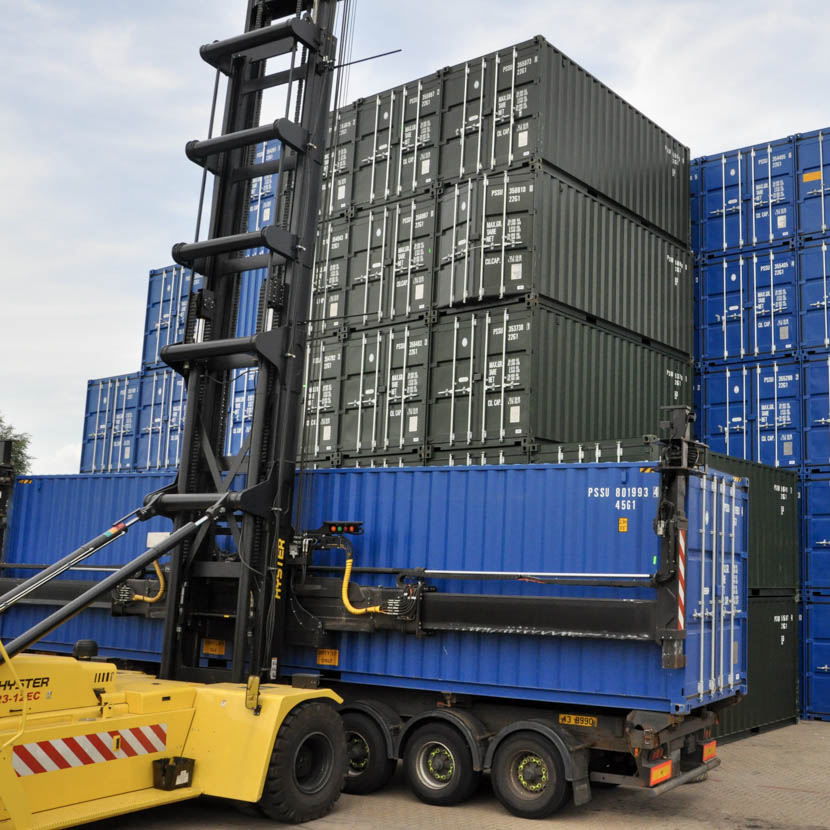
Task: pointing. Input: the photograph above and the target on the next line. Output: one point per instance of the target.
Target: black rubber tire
(529, 796)
(439, 765)
(367, 766)
(307, 766)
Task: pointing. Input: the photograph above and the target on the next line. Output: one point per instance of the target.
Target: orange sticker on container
(710, 750)
(813, 176)
(216, 647)
(622, 524)
(328, 657)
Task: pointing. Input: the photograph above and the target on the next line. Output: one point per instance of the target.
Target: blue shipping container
(816, 657)
(51, 516)
(813, 174)
(816, 411)
(815, 506)
(110, 423)
(168, 295)
(160, 420)
(748, 197)
(813, 276)
(542, 519)
(749, 304)
(752, 410)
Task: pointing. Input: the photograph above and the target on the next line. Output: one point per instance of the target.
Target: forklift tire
(307, 766)
(439, 765)
(528, 776)
(367, 766)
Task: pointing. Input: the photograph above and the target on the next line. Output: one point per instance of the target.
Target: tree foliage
(21, 460)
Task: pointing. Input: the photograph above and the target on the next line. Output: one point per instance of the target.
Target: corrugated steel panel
(748, 197)
(695, 204)
(265, 186)
(752, 410)
(814, 282)
(513, 374)
(53, 515)
(816, 666)
(816, 511)
(816, 404)
(533, 232)
(498, 111)
(168, 295)
(813, 181)
(110, 424)
(539, 518)
(772, 676)
(749, 304)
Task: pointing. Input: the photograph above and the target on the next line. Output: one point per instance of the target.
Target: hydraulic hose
(344, 595)
(160, 594)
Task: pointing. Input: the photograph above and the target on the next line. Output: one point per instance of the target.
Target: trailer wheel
(528, 776)
(367, 766)
(439, 765)
(307, 766)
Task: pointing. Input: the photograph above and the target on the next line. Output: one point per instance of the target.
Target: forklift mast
(225, 603)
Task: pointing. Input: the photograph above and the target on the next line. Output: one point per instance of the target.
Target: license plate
(216, 647)
(328, 656)
(578, 720)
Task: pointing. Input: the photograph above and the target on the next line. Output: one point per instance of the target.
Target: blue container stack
(133, 422)
(760, 236)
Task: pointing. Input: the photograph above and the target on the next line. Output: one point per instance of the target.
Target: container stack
(502, 262)
(133, 422)
(763, 350)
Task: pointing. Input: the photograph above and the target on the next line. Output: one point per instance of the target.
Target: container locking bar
(207, 152)
(278, 240)
(263, 43)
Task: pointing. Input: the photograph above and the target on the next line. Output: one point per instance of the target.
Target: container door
(772, 193)
(240, 414)
(814, 272)
(413, 249)
(458, 242)
(724, 203)
(817, 411)
(405, 396)
(813, 175)
(778, 414)
(453, 374)
(322, 401)
(368, 276)
(504, 387)
(331, 274)
(417, 135)
(339, 163)
(817, 533)
(464, 137)
(374, 174)
(713, 605)
(727, 400)
(774, 312)
(361, 396)
(724, 313)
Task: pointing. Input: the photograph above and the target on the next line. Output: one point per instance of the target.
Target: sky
(97, 100)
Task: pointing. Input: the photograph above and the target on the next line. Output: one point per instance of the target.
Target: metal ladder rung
(278, 240)
(260, 44)
(208, 152)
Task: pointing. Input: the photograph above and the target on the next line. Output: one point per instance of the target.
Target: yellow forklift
(81, 740)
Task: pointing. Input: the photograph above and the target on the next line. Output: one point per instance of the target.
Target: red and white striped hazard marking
(681, 580)
(95, 748)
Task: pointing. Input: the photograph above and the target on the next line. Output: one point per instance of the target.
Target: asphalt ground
(777, 780)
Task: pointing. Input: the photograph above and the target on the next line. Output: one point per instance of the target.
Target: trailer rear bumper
(659, 789)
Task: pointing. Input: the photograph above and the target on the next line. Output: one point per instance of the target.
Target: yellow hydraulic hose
(24, 714)
(160, 594)
(373, 609)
